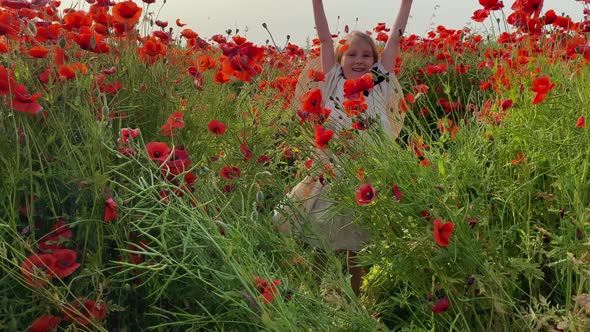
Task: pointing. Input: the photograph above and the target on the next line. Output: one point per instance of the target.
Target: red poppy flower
(260, 283)
(70, 71)
(44, 323)
(37, 269)
(360, 125)
(76, 19)
(229, 172)
(317, 75)
(66, 262)
(217, 127)
(175, 167)
(356, 106)
(52, 240)
(220, 39)
(179, 24)
(436, 69)
(4, 48)
(16, 4)
(425, 214)
(442, 233)
(581, 123)
(84, 313)
(189, 34)
(397, 193)
(245, 151)
(365, 194)
(111, 88)
(550, 17)
(221, 77)
(529, 7)
(353, 87)
(126, 12)
(269, 293)
(541, 87)
(322, 136)
(162, 24)
(491, 4)
(6, 81)
(519, 159)
(441, 305)
(506, 104)
(126, 134)
(312, 101)
(101, 3)
(38, 52)
(23, 101)
(175, 121)
(110, 212)
(263, 159)
(152, 50)
(421, 88)
(158, 151)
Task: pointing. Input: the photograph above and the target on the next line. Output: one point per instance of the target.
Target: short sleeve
(332, 79)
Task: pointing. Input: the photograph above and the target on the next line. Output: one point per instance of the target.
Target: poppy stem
(271, 37)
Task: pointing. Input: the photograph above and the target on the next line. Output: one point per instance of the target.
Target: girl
(353, 57)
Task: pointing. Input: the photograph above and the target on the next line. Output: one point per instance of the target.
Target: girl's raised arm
(326, 43)
(392, 48)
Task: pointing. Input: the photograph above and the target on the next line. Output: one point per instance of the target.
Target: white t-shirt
(378, 99)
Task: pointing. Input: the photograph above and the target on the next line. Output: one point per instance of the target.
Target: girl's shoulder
(334, 72)
(333, 78)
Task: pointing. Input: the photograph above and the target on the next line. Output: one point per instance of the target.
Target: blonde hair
(351, 37)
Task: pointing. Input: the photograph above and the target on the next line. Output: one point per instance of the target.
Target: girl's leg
(354, 270)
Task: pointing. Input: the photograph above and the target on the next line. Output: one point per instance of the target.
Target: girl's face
(357, 60)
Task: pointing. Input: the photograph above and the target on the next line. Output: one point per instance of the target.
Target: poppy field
(141, 164)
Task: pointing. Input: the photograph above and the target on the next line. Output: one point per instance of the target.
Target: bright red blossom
(175, 121)
(83, 313)
(491, 4)
(397, 193)
(23, 101)
(110, 212)
(230, 172)
(480, 15)
(322, 136)
(541, 87)
(66, 262)
(44, 323)
(158, 151)
(365, 194)
(126, 12)
(442, 232)
(217, 127)
(37, 269)
(245, 151)
(53, 240)
(353, 87)
(441, 306)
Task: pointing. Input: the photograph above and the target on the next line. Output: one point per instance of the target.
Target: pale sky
(295, 17)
